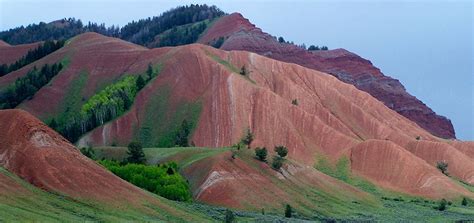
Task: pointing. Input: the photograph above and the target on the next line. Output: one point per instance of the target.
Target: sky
(427, 45)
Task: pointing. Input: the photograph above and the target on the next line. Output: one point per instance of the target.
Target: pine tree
(135, 153)
(149, 72)
(140, 82)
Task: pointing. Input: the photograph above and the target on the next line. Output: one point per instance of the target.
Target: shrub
(277, 162)
(182, 134)
(288, 211)
(464, 201)
(261, 153)
(442, 205)
(88, 151)
(140, 82)
(248, 138)
(243, 70)
(135, 153)
(282, 151)
(229, 216)
(294, 102)
(443, 167)
(156, 179)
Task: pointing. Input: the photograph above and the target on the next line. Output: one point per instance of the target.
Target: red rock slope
(34, 152)
(240, 34)
(10, 54)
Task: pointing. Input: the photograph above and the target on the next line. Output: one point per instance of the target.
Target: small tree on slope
(135, 153)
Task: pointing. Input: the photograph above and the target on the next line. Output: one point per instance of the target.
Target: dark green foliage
(277, 162)
(180, 36)
(443, 205)
(443, 167)
(155, 179)
(135, 153)
(218, 43)
(183, 134)
(25, 87)
(282, 151)
(281, 40)
(294, 102)
(229, 216)
(418, 138)
(140, 82)
(170, 171)
(106, 105)
(288, 211)
(261, 153)
(89, 152)
(324, 48)
(149, 72)
(243, 70)
(464, 201)
(313, 48)
(53, 124)
(32, 55)
(248, 138)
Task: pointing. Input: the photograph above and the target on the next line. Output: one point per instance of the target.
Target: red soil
(10, 54)
(42, 157)
(389, 165)
(240, 34)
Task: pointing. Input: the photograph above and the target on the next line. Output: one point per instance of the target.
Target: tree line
(33, 55)
(25, 87)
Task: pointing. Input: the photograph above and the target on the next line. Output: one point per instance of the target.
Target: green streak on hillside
(160, 124)
(229, 66)
(73, 98)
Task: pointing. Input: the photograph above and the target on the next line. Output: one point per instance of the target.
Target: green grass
(161, 123)
(229, 66)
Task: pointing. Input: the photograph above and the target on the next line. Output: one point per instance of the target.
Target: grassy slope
(388, 206)
(20, 200)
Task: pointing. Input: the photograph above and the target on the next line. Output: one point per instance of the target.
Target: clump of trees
(261, 154)
(181, 35)
(135, 153)
(157, 179)
(89, 152)
(443, 167)
(443, 205)
(32, 55)
(314, 48)
(25, 87)
(278, 160)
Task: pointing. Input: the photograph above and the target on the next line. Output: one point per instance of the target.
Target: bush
(248, 138)
(243, 70)
(464, 201)
(442, 205)
(294, 102)
(443, 167)
(277, 162)
(88, 151)
(135, 153)
(282, 151)
(288, 211)
(156, 179)
(261, 153)
(229, 216)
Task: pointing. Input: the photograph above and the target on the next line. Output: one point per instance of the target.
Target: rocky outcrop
(240, 34)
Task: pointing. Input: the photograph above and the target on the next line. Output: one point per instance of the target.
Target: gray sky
(427, 45)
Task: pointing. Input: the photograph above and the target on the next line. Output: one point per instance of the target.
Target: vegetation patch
(25, 87)
(163, 180)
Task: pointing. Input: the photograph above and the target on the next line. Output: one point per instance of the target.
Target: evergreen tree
(140, 82)
(261, 153)
(248, 138)
(464, 201)
(183, 134)
(282, 151)
(243, 70)
(53, 124)
(288, 211)
(135, 153)
(149, 72)
(229, 216)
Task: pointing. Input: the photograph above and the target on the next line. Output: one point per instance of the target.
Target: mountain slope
(43, 158)
(10, 54)
(240, 34)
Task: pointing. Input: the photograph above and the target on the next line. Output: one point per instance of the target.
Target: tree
(443, 167)
(261, 153)
(288, 211)
(277, 162)
(53, 124)
(140, 82)
(170, 171)
(183, 134)
(229, 216)
(324, 48)
(464, 201)
(442, 205)
(135, 153)
(281, 40)
(88, 151)
(294, 102)
(149, 72)
(282, 151)
(313, 47)
(243, 70)
(248, 138)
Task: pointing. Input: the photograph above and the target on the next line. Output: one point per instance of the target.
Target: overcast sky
(427, 45)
